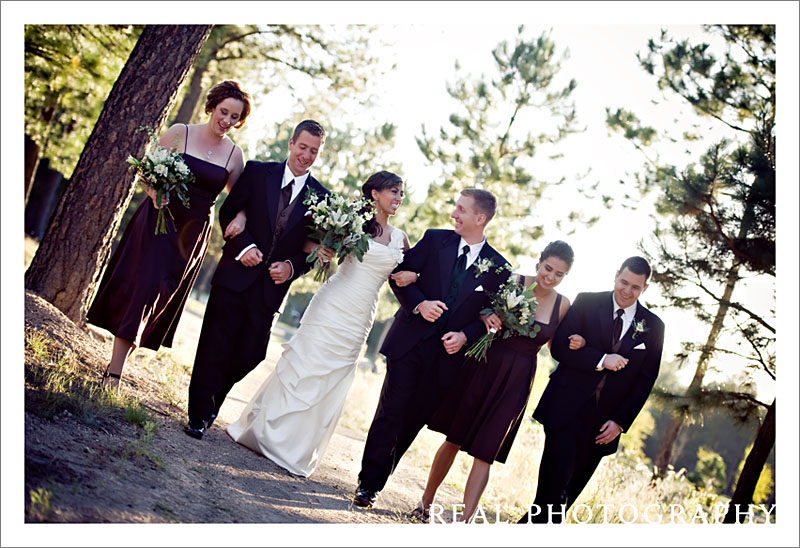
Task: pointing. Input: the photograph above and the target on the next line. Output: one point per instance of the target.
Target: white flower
(512, 300)
(483, 265)
(639, 327)
(161, 170)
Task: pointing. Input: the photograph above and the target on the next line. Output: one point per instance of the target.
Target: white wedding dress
(291, 418)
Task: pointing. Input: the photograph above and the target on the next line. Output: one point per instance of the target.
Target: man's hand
(608, 433)
(614, 362)
(252, 257)
(576, 342)
(280, 272)
(431, 310)
(453, 341)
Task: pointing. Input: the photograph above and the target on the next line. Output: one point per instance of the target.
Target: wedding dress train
(291, 418)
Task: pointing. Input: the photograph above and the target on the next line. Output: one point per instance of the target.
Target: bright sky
(602, 38)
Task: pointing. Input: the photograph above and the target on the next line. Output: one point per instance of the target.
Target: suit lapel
(607, 321)
(274, 194)
(447, 261)
(628, 342)
(472, 281)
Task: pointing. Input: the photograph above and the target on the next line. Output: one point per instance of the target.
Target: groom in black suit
(254, 274)
(596, 392)
(438, 319)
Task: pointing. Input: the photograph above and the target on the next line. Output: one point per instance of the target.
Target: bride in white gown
(291, 418)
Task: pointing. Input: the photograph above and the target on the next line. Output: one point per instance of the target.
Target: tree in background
(709, 472)
(69, 70)
(71, 257)
(336, 56)
(721, 231)
(489, 143)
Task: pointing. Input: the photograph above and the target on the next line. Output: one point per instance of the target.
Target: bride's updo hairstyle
(379, 181)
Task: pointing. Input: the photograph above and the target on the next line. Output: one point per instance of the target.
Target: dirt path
(104, 469)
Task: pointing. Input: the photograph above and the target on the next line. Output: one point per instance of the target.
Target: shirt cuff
(292, 267)
(599, 366)
(239, 256)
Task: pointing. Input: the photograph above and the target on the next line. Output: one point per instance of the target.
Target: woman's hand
(236, 226)
(576, 342)
(404, 278)
(153, 196)
(491, 321)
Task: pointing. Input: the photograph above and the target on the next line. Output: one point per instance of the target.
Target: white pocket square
(640, 346)
(479, 288)
(307, 213)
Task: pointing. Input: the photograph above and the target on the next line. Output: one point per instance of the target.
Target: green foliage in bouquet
(338, 224)
(165, 172)
(515, 305)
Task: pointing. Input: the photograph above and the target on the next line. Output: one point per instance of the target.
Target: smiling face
(551, 271)
(628, 286)
(303, 151)
(389, 199)
(468, 220)
(225, 115)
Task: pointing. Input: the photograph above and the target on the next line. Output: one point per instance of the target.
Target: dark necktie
(461, 263)
(618, 326)
(286, 194)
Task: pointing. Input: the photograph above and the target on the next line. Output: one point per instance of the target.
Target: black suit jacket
(434, 258)
(258, 192)
(574, 380)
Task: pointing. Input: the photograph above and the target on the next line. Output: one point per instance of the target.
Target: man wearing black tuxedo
(254, 274)
(438, 319)
(595, 392)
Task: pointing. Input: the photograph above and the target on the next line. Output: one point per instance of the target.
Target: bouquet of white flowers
(165, 172)
(338, 225)
(515, 306)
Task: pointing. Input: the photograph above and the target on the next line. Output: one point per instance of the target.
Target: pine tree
(68, 264)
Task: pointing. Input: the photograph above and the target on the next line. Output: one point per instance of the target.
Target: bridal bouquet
(338, 225)
(515, 306)
(165, 172)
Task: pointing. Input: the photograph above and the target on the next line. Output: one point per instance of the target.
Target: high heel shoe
(109, 375)
(421, 513)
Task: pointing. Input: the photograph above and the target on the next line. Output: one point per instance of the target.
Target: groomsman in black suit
(596, 392)
(438, 319)
(254, 274)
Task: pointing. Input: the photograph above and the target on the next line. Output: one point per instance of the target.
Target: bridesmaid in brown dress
(149, 277)
(482, 414)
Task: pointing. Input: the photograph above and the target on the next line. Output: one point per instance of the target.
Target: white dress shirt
(299, 184)
(627, 317)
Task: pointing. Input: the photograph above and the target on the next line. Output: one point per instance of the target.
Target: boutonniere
(639, 327)
(482, 266)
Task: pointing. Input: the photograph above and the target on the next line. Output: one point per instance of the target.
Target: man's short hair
(485, 202)
(311, 126)
(637, 265)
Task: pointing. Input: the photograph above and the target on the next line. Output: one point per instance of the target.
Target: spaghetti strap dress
(149, 277)
(483, 412)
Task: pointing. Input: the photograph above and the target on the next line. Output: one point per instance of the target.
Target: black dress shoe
(194, 430)
(364, 497)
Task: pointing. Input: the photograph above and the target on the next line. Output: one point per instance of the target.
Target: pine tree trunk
(753, 465)
(192, 96)
(664, 455)
(75, 249)
(31, 164)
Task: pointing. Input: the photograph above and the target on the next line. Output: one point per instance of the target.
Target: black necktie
(286, 194)
(461, 263)
(618, 326)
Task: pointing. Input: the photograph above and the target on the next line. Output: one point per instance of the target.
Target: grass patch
(166, 511)
(40, 499)
(141, 446)
(136, 414)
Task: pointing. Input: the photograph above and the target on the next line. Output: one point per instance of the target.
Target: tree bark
(664, 455)
(75, 249)
(31, 164)
(192, 96)
(751, 471)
